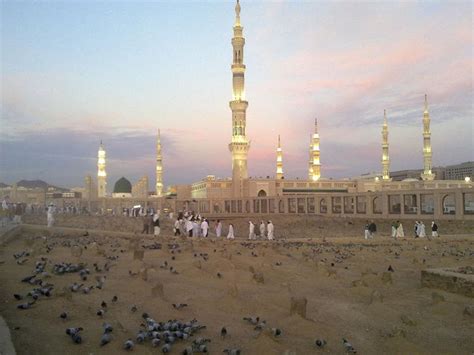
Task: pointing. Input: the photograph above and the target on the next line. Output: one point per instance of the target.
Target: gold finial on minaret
(159, 167)
(237, 13)
(385, 155)
(279, 171)
(427, 154)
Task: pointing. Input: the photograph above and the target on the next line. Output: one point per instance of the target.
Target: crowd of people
(398, 232)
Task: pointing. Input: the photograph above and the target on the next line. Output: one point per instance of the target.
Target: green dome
(122, 186)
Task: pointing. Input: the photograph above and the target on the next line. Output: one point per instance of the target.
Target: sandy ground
(345, 280)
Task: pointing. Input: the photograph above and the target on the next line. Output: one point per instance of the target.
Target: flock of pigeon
(160, 334)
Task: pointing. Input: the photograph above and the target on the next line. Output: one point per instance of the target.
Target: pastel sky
(76, 72)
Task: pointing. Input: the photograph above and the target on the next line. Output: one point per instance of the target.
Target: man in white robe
(230, 234)
(251, 230)
(189, 228)
(204, 228)
(270, 230)
(218, 229)
(50, 215)
(422, 233)
(262, 229)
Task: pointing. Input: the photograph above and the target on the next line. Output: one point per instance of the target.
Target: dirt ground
(349, 291)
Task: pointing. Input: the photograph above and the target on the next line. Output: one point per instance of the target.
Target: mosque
(240, 186)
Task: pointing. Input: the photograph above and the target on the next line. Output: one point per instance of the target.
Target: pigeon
(320, 343)
(134, 308)
(26, 305)
(141, 336)
(252, 320)
(202, 348)
(63, 315)
(75, 287)
(72, 331)
(390, 268)
(261, 325)
(76, 338)
(155, 342)
(348, 346)
(103, 304)
(223, 332)
(276, 332)
(107, 328)
(106, 338)
(166, 348)
(17, 296)
(100, 312)
(179, 305)
(114, 299)
(128, 345)
(232, 351)
(219, 275)
(188, 351)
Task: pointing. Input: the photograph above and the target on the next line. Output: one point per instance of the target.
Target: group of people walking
(266, 231)
(398, 232)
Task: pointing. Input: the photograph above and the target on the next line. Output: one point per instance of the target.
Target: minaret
(239, 145)
(279, 173)
(310, 161)
(159, 167)
(427, 155)
(315, 153)
(385, 156)
(101, 174)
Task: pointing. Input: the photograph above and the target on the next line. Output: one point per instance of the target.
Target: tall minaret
(310, 164)
(159, 167)
(101, 174)
(279, 174)
(427, 155)
(385, 156)
(315, 154)
(239, 145)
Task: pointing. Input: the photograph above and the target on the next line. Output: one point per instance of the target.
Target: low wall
(448, 280)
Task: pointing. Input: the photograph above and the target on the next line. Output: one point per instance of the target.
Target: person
(189, 227)
(146, 225)
(417, 226)
(251, 230)
(176, 228)
(270, 230)
(230, 234)
(366, 230)
(50, 215)
(434, 230)
(156, 225)
(262, 229)
(400, 233)
(218, 228)
(422, 230)
(372, 229)
(204, 227)
(196, 228)
(394, 229)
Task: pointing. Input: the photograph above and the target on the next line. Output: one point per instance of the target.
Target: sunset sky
(77, 72)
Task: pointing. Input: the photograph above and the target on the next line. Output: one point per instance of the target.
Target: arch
(323, 207)
(262, 193)
(377, 205)
(281, 206)
(449, 204)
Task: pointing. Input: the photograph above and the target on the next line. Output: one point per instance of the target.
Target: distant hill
(2, 185)
(34, 184)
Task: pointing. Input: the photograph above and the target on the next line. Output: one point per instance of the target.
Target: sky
(77, 72)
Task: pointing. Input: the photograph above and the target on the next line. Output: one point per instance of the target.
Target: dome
(122, 186)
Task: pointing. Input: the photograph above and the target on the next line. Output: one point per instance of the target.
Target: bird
(17, 296)
(188, 351)
(390, 268)
(114, 299)
(348, 346)
(107, 328)
(76, 338)
(320, 343)
(261, 325)
(100, 312)
(276, 332)
(128, 345)
(103, 304)
(252, 320)
(75, 287)
(106, 338)
(219, 275)
(72, 331)
(166, 348)
(232, 351)
(141, 336)
(223, 332)
(63, 315)
(155, 342)
(26, 305)
(87, 290)
(134, 308)
(179, 305)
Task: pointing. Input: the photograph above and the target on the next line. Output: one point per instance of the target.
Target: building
(460, 171)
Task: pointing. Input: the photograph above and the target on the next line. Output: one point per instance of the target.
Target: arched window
(449, 204)
(323, 207)
(262, 193)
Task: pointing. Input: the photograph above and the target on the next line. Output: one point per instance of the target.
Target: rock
(437, 298)
(76, 251)
(376, 296)
(138, 254)
(387, 277)
(407, 320)
(258, 276)
(469, 311)
(298, 306)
